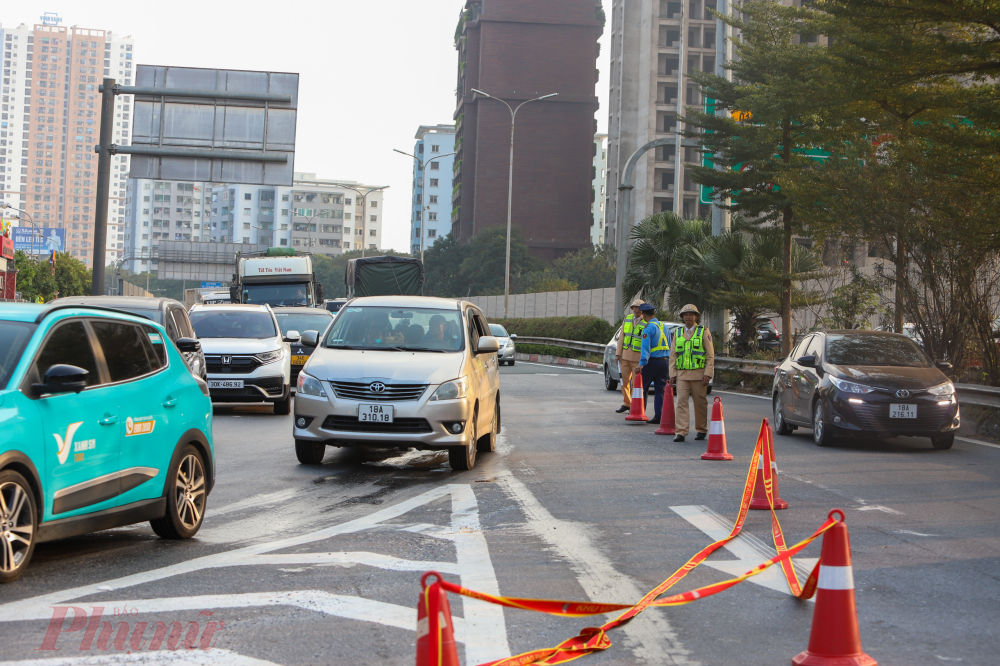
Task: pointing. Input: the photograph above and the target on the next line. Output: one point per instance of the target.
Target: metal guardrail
(968, 394)
(575, 345)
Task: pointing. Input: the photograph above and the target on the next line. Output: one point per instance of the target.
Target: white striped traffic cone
(638, 411)
(717, 435)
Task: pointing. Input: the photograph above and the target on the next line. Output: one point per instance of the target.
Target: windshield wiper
(417, 349)
(346, 347)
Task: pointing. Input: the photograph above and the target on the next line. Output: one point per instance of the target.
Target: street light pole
(364, 207)
(510, 186)
(422, 167)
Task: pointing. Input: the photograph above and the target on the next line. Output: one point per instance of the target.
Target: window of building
(246, 225)
(432, 217)
(433, 199)
(284, 197)
(374, 218)
(246, 211)
(435, 149)
(374, 204)
(371, 232)
(435, 166)
(434, 182)
(432, 233)
(246, 197)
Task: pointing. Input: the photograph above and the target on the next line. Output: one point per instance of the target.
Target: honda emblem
(226, 360)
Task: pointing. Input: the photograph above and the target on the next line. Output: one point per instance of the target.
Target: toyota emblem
(902, 393)
(376, 387)
(226, 360)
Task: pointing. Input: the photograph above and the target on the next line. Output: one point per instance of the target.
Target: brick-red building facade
(517, 50)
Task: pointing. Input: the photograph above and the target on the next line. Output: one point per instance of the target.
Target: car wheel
(186, 498)
(821, 429)
(488, 442)
(309, 453)
(609, 383)
(780, 425)
(284, 407)
(943, 442)
(462, 458)
(510, 363)
(17, 525)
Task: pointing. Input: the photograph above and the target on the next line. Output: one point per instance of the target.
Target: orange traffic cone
(834, 639)
(759, 500)
(435, 635)
(667, 420)
(638, 411)
(717, 437)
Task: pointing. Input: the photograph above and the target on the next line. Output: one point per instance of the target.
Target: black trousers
(657, 373)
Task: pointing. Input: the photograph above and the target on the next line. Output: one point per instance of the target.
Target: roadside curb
(557, 360)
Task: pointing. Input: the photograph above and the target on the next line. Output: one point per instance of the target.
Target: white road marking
(750, 550)
(980, 443)
(264, 499)
(743, 395)
(650, 636)
(920, 534)
(865, 506)
(486, 627)
(213, 657)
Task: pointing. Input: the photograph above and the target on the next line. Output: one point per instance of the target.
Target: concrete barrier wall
(596, 302)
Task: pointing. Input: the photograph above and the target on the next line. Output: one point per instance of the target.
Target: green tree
(484, 269)
(443, 268)
(651, 261)
(855, 303)
(588, 268)
(774, 116)
(37, 278)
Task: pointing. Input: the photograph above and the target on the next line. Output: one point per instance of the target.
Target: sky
(370, 72)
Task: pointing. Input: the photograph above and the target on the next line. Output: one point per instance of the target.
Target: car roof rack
(55, 308)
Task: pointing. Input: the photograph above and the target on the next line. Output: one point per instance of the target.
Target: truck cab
(279, 277)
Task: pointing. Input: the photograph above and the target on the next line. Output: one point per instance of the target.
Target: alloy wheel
(190, 491)
(17, 526)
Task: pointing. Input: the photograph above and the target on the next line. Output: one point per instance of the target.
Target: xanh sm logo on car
(66, 444)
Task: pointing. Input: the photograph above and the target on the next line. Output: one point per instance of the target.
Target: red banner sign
(6, 247)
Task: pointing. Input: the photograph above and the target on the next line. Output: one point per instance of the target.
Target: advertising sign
(205, 285)
(40, 241)
(6, 248)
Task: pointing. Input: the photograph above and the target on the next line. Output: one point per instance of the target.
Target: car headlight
(453, 390)
(309, 385)
(271, 356)
(850, 387)
(947, 390)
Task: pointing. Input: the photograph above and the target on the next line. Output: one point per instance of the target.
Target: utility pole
(422, 168)
(104, 151)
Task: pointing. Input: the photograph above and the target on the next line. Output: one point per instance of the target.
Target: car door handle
(169, 402)
(109, 420)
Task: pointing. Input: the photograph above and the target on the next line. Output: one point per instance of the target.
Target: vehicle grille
(876, 417)
(241, 365)
(392, 393)
(351, 424)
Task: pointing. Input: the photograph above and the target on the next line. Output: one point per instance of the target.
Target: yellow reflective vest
(633, 333)
(690, 354)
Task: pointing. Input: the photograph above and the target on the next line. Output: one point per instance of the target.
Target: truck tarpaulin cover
(384, 276)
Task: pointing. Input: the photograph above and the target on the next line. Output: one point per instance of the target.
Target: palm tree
(651, 261)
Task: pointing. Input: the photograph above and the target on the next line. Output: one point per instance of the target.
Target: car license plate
(225, 383)
(299, 359)
(375, 413)
(902, 411)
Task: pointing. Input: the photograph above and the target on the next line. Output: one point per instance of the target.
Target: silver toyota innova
(400, 372)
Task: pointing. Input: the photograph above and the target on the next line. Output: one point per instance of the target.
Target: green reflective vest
(633, 333)
(690, 354)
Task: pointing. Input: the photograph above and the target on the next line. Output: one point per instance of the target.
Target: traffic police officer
(627, 353)
(692, 365)
(653, 358)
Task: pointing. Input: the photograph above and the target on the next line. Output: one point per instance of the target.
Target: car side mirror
(513, 336)
(943, 365)
(188, 345)
(488, 344)
(309, 339)
(62, 379)
(292, 336)
(806, 361)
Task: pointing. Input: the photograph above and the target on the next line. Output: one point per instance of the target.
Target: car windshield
(234, 324)
(416, 329)
(874, 350)
(14, 335)
(276, 294)
(498, 331)
(303, 322)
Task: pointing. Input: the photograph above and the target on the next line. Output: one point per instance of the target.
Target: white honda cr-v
(247, 357)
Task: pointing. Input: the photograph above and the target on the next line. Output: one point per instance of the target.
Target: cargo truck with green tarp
(384, 276)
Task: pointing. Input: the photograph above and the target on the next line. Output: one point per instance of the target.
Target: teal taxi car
(101, 425)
